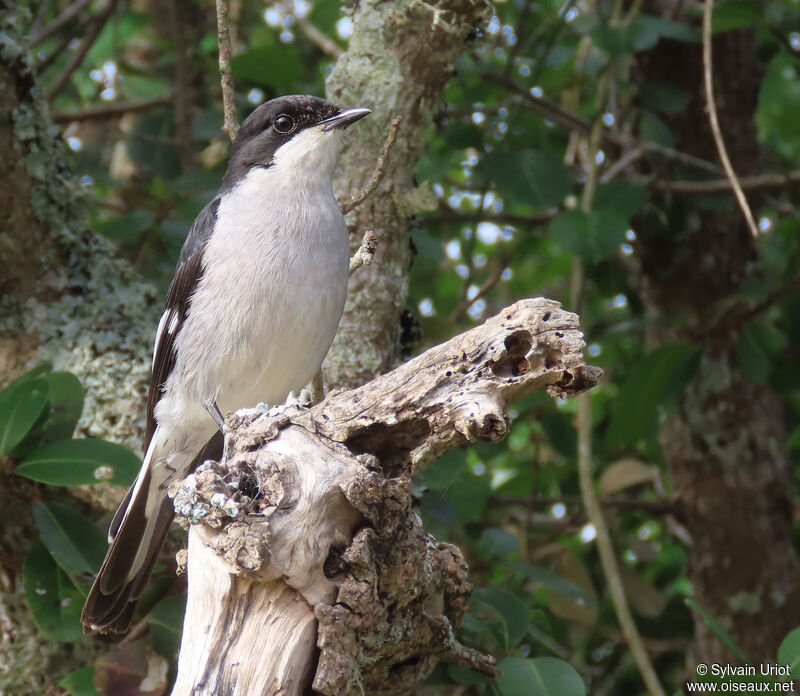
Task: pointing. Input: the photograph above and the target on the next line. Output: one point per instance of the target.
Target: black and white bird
(249, 317)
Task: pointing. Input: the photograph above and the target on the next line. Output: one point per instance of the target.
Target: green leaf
(628, 39)
(52, 598)
(560, 433)
(779, 104)
(21, 404)
(80, 462)
(753, 359)
(442, 473)
(468, 495)
(622, 196)
(669, 28)
(166, 624)
(556, 583)
(510, 608)
(75, 542)
(439, 508)
(789, 652)
(128, 227)
(462, 675)
(66, 405)
(273, 65)
(37, 371)
(658, 376)
(531, 177)
(324, 16)
(140, 87)
(716, 628)
(80, 682)
(592, 236)
(115, 35)
(736, 14)
(664, 97)
(541, 676)
(462, 135)
(498, 542)
(652, 129)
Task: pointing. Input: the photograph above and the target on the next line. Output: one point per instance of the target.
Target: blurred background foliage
(546, 95)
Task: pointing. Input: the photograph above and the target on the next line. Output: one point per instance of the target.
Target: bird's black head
(309, 123)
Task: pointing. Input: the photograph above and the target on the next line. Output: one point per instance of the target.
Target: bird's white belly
(260, 323)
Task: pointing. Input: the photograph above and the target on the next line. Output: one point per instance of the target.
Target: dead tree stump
(307, 565)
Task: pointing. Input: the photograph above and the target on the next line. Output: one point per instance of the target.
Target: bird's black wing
(187, 276)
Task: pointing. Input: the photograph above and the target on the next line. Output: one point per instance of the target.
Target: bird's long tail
(136, 535)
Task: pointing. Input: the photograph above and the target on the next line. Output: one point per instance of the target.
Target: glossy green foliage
(37, 411)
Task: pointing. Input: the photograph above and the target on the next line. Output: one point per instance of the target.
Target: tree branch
(92, 32)
(377, 173)
(98, 113)
(713, 119)
(754, 183)
(365, 253)
(332, 555)
(446, 214)
(328, 46)
(230, 125)
(566, 118)
(63, 18)
(654, 507)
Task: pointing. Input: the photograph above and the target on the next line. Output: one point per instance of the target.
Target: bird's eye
(283, 124)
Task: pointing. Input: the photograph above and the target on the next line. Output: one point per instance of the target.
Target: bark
(304, 536)
(725, 449)
(398, 60)
(65, 300)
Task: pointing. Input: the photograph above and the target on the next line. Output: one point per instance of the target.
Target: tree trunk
(398, 60)
(66, 300)
(304, 536)
(725, 447)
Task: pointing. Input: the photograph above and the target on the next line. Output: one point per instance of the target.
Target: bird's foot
(302, 400)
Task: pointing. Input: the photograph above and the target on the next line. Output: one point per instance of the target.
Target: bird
(250, 314)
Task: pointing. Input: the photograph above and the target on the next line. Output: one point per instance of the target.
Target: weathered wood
(306, 560)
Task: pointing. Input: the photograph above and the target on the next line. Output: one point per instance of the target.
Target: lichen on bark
(399, 58)
(65, 300)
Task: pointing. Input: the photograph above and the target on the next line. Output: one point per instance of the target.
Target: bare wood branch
(568, 119)
(734, 321)
(182, 92)
(485, 287)
(43, 63)
(713, 119)
(328, 46)
(594, 511)
(97, 113)
(92, 32)
(365, 253)
(655, 507)
(331, 559)
(63, 18)
(756, 182)
(230, 125)
(446, 214)
(377, 173)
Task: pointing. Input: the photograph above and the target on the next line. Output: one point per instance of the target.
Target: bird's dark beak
(344, 118)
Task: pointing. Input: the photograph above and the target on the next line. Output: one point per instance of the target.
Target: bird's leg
(210, 405)
(213, 410)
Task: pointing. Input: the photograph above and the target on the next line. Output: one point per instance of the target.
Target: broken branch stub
(307, 564)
